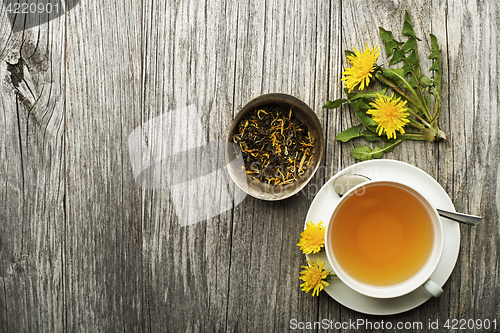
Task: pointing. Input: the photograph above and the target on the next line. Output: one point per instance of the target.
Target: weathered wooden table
(84, 248)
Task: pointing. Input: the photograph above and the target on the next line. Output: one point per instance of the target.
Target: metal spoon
(345, 182)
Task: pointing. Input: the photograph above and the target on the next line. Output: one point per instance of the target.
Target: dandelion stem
(392, 145)
(415, 123)
(437, 106)
(395, 87)
(413, 112)
(417, 104)
(417, 136)
(421, 94)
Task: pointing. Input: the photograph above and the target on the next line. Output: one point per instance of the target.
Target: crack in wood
(16, 72)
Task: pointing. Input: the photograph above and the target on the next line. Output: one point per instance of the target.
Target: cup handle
(433, 288)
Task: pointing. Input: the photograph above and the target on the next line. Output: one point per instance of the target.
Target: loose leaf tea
(276, 145)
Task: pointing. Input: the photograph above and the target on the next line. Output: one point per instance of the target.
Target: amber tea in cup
(384, 236)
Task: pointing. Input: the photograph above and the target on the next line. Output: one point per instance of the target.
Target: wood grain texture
(87, 246)
(32, 185)
(451, 164)
(273, 57)
(360, 25)
(192, 63)
(103, 270)
(473, 89)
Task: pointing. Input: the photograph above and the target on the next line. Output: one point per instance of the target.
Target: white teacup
(355, 197)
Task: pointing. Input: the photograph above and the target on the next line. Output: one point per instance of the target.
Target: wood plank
(333, 119)
(103, 246)
(473, 96)
(31, 176)
(189, 60)
(291, 42)
(361, 26)
(421, 154)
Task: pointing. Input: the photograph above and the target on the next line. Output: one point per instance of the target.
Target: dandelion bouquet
(408, 105)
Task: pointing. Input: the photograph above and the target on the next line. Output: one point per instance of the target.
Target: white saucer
(325, 202)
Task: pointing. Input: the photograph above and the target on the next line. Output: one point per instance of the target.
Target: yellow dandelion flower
(313, 277)
(313, 238)
(363, 65)
(391, 115)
